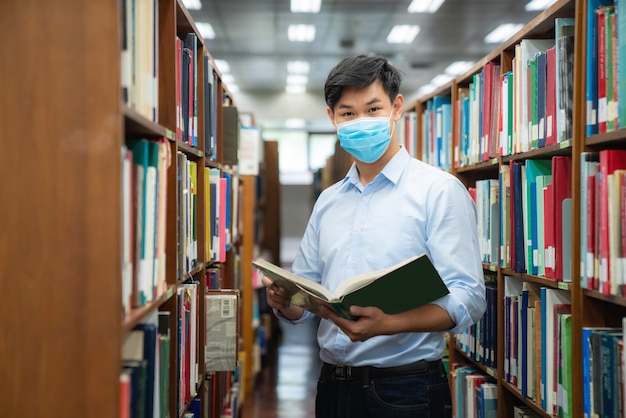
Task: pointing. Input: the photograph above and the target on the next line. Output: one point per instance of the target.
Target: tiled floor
(286, 387)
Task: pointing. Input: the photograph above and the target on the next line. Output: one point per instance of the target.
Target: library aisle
(286, 386)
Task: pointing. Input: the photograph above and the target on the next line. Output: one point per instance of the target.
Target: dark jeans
(420, 393)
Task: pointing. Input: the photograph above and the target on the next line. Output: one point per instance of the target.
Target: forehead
(352, 97)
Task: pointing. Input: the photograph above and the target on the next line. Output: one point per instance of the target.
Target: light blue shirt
(408, 209)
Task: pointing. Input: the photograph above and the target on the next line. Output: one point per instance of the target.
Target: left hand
(369, 323)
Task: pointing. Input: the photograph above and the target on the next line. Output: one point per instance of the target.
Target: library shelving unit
(552, 158)
(68, 110)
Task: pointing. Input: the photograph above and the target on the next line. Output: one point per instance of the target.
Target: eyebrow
(371, 102)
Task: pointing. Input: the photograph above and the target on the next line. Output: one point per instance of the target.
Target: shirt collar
(392, 171)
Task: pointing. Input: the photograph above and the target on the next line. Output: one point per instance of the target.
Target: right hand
(277, 299)
(275, 295)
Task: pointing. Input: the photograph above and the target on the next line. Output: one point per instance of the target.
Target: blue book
(150, 331)
(534, 168)
(518, 210)
(591, 91)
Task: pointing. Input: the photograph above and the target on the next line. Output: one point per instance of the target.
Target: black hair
(359, 72)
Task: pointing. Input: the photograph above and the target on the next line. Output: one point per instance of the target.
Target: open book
(412, 283)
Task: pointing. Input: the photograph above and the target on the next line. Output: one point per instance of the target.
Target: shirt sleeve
(453, 245)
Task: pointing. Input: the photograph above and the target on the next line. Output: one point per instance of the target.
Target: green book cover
(407, 285)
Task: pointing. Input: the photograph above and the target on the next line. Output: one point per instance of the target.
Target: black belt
(361, 372)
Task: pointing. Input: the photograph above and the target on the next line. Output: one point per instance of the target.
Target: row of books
(222, 206)
(605, 66)
(529, 106)
(187, 216)
(188, 91)
(144, 190)
(538, 344)
(479, 342)
(603, 371)
(436, 127)
(486, 195)
(603, 221)
(139, 56)
(188, 371)
(186, 71)
(145, 370)
(407, 132)
(474, 394)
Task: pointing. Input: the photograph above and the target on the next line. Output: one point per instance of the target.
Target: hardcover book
(404, 286)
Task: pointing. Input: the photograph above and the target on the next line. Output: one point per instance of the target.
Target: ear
(398, 107)
(331, 116)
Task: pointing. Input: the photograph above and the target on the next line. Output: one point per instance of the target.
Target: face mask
(366, 139)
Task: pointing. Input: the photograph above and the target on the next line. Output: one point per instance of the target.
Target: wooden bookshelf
(589, 307)
(64, 124)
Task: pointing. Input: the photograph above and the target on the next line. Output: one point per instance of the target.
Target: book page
(291, 282)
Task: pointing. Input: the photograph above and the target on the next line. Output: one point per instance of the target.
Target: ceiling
(251, 35)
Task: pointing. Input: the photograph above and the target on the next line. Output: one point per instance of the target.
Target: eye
(375, 109)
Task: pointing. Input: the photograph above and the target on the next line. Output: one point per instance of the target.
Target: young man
(388, 208)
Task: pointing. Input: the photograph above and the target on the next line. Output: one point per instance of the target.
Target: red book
(548, 210)
(179, 94)
(486, 109)
(610, 160)
(591, 230)
(551, 137)
(562, 189)
(602, 98)
(622, 199)
(125, 394)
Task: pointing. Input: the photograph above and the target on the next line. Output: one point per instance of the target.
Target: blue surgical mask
(366, 139)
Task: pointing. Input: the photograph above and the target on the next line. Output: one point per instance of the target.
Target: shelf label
(563, 285)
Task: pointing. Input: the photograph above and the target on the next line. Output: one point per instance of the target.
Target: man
(388, 208)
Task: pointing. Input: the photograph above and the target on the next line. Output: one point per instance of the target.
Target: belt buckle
(342, 372)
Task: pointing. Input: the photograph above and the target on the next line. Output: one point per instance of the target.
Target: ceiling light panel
(192, 4)
(301, 33)
(298, 67)
(206, 30)
(403, 34)
(424, 6)
(536, 5)
(503, 32)
(306, 6)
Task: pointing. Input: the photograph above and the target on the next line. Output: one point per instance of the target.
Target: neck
(369, 171)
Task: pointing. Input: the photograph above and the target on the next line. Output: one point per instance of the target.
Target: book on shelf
(407, 285)
(222, 333)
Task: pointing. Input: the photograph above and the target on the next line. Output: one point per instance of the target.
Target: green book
(407, 285)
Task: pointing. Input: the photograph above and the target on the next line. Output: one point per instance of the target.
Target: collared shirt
(408, 209)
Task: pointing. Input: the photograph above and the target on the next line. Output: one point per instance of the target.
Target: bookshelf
(589, 307)
(64, 322)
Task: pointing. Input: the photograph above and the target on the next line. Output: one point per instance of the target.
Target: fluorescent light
(228, 79)
(206, 30)
(425, 6)
(503, 32)
(298, 67)
(295, 123)
(223, 66)
(301, 33)
(441, 79)
(536, 5)
(297, 79)
(192, 4)
(458, 67)
(233, 88)
(426, 89)
(403, 34)
(306, 6)
(295, 89)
